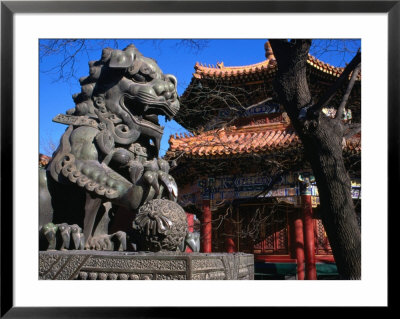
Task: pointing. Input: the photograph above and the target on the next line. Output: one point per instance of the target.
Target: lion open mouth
(145, 108)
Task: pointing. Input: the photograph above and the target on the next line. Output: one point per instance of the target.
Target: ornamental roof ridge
(262, 138)
(270, 63)
(204, 68)
(324, 66)
(246, 129)
(249, 66)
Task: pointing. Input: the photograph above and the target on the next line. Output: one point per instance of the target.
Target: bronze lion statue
(106, 166)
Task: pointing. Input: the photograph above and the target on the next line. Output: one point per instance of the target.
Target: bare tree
(322, 138)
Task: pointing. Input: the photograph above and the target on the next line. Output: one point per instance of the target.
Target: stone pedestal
(100, 265)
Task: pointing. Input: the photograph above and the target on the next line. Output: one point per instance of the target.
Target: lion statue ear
(122, 59)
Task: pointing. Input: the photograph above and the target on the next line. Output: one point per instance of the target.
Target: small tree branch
(347, 93)
(351, 130)
(339, 82)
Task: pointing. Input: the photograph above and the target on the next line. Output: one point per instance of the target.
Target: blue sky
(55, 96)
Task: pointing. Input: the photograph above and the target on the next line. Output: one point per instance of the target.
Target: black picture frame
(9, 8)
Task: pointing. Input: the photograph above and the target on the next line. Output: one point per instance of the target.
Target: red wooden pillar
(206, 228)
(230, 246)
(298, 241)
(309, 243)
(190, 219)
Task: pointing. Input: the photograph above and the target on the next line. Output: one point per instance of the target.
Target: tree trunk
(324, 151)
(321, 137)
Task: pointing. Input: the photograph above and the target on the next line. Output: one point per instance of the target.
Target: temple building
(241, 170)
(43, 160)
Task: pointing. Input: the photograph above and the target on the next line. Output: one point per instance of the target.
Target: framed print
(25, 24)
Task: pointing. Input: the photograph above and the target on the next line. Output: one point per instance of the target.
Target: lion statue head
(125, 92)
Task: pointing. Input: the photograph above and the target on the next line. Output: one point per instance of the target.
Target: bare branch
(67, 52)
(347, 93)
(341, 50)
(351, 130)
(193, 45)
(332, 90)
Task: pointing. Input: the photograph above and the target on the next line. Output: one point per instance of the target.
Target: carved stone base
(98, 265)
